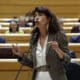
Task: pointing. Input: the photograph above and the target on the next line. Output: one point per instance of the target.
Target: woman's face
(40, 19)
(13, 26)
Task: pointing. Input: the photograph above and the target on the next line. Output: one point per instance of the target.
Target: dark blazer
(56, 69)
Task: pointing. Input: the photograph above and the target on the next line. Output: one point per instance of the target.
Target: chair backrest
(73, 71)
(6, 53)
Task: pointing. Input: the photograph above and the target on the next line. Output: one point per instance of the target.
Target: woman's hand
(54, 44)
(16, 50)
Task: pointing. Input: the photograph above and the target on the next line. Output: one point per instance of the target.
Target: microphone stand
(17, 75)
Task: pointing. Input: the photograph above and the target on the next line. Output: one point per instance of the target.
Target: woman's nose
(36, 19)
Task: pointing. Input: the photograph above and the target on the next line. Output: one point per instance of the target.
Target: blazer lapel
(50, 38)
(34, 54)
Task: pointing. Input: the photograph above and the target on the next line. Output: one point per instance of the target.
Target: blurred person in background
(2, 40)
(14, 28)
(30, 18)
(22, 22)
(75, 29)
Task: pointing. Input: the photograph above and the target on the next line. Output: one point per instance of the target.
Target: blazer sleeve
(63, 44)
(26, 60)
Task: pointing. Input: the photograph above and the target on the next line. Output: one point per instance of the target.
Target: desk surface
(16, 60)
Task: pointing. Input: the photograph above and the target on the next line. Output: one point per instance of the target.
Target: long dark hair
(10, 29)
(53, 23)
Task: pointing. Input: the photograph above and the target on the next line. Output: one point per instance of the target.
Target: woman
(48, 46)
(14, 28)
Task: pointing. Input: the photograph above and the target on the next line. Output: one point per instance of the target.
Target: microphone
(18, 72)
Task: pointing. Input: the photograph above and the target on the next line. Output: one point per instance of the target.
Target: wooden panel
(62, 8)
(26, 30)
(69, 35)
(8, 71)
(16, 38)
(54, 2)
(77, 53)
(24, 47)
(67, 30)
(13, 66)
(10, 15)
(24, 38)
(10, 75)
(58, 10)
(24, 9)
(73, 46)
(29, 31)
(76, 49)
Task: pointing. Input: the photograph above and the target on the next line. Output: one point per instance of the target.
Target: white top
(41, 53)
(41, 60)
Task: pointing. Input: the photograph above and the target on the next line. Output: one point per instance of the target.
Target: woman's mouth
(36, 22)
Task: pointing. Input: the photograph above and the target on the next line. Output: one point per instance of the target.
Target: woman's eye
(35, 15)
(40, 14)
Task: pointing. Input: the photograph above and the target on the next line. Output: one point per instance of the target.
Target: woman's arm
(23, 58)
(26, 60)
(61, 47)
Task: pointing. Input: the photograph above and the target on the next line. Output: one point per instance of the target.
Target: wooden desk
(26, 30)
(25, 46)
(9, 69)
(71, 34)
(16, 38)
(29, 29)
(26, 37)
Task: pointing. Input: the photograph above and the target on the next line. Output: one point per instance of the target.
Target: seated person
(76, 28)
(60, 23)
(14, 28)
(2, 40)
(22, 22)
(30, 19)
(75, 39)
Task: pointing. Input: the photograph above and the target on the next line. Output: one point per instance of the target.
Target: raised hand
(16, 50)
